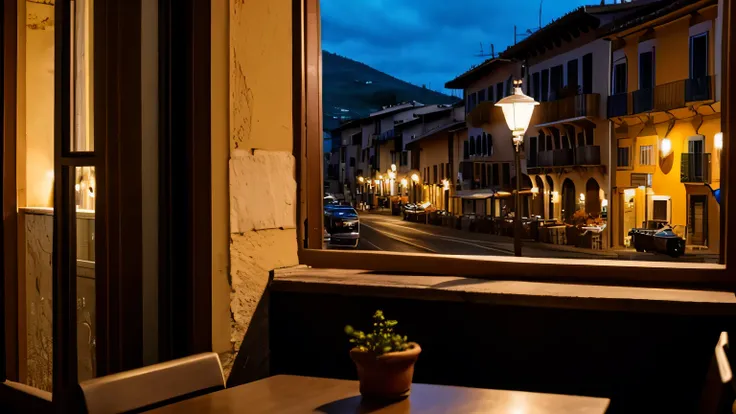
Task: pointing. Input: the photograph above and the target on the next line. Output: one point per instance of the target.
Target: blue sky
(429, 41)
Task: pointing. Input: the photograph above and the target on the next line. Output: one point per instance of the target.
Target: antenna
(540, 13)
(485, 55)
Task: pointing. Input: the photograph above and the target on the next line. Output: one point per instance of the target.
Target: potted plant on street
(384, 359)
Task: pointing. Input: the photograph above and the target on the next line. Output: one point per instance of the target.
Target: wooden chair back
(153, 386)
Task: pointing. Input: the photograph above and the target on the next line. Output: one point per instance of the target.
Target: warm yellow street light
(718, 141)
(404, 182)
(415, 178)
(393, 167)
(517, 110)
(361, 179)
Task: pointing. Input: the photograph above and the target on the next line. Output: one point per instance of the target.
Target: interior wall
(262, 184)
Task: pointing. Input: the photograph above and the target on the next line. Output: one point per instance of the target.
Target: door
(696, 147)
(697, 228)
(628, 201)
(646, 70)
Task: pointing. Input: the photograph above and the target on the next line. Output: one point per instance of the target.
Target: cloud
(429, 41)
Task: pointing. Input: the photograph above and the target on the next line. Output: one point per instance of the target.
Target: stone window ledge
(504, 292)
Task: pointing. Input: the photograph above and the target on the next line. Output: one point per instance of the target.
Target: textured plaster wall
(261, 176)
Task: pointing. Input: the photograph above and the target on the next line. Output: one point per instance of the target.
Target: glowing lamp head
(404, 182)
(665, 147)
(582, 197)
(718, 141)
(393, 167)
(445, 185)
(517, 110)
(415, 178)
(361, 180)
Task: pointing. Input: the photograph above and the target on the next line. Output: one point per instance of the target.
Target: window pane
(35, 181)
(593, 167)
(82, 135)
(85, 187)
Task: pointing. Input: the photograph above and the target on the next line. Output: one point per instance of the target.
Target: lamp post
(517, 110)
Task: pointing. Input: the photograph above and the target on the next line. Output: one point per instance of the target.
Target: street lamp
(517, 110)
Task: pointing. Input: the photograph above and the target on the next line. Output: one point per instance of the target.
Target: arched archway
(592, 198)
(538, 203)
(569, 200)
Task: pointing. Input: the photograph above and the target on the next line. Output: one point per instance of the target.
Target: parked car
(662, 240)
(417, 212)
(343, 225)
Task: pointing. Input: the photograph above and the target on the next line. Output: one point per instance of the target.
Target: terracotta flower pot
(386, 376)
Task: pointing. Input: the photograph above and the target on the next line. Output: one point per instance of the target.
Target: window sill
(505, 292)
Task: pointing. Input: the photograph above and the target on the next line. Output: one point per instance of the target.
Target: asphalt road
(391, 233)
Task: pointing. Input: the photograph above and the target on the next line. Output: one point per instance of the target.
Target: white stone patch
(262, 191)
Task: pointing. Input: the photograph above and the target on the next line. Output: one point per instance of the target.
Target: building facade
(665, 110)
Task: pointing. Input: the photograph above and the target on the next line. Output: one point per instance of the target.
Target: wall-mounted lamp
(582, 197)
(665, 147)
(535, 190)
(415, 178)
(718, 141)
(555, 197)
(361, 180)
(445, 185)
(404, 182)
(604, 203)
(393, 167)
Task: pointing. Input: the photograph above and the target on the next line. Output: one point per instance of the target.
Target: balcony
(387, 135)
(484, 113)
(699, 89)
(568, 157)
(618, 105)
(665, 97)
(695, 167)
(588, 155)
(567, 108)
(642, 100)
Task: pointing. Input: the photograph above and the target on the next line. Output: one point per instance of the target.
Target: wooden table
(292, 394)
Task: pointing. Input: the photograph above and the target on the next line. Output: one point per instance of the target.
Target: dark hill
(352, 90)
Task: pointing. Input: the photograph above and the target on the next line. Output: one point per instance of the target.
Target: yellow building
(665, 108)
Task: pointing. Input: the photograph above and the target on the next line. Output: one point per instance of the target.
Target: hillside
(352, 90)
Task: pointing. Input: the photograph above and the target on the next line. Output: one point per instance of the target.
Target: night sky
(429, 41)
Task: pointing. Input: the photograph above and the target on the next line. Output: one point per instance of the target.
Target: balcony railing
(569, 157)
(642, 100)
(570, 107)
(663, 97)
(618, 105)
(699, 89)
(386, 135)
(484, 113)
(695, 167)
(588, 155)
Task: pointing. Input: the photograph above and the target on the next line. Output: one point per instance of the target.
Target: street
(381, 231)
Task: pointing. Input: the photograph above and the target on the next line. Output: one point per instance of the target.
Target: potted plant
(384, 359)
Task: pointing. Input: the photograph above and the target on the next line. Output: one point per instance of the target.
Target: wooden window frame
(117, 118)
(184, 195)
(307, 113)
